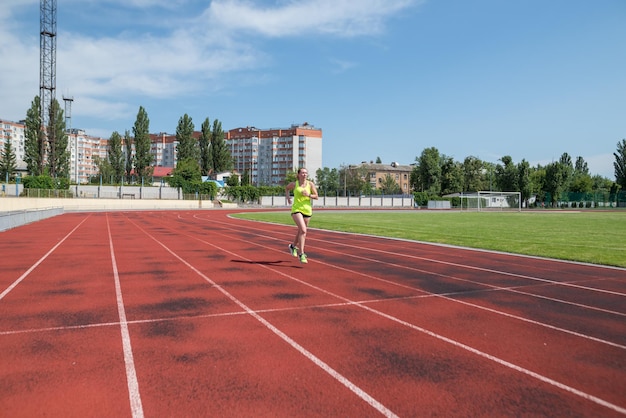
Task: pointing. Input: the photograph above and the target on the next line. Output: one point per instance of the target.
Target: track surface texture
(195, 314)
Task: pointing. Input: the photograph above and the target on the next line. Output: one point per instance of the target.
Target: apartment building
(163, 149)
(83, 149)
(376, 174)
(14, 132)
(267, 155)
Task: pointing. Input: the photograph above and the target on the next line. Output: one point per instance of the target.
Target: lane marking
(513, 289)
(41, 260)
(455, 343)
(131, 375)
(309, 355)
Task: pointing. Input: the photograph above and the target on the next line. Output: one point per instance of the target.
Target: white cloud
(204, 52)
(338, 17)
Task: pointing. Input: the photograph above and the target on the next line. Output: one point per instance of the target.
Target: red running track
(197, 314)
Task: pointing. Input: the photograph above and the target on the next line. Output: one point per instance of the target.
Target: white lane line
(131, 375)
(317, 361)
(34, 266)
(511, 289)
(455, 343)
(448, 297)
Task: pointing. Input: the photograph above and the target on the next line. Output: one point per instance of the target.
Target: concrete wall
(14, 219)
(347, 202)
(17, 211)
(23, 203)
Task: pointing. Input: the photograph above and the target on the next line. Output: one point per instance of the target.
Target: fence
(597, 199)
(373, 201)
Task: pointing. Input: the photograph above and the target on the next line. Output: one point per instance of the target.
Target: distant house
(160, 173)
(376, 174)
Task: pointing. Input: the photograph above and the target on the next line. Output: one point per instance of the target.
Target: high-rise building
(83, 149)
(90, 150)
(14, 132)
(267, 155)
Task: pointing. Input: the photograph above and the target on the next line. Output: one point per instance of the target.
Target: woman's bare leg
(300, 238)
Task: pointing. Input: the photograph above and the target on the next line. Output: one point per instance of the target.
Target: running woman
(301, 210)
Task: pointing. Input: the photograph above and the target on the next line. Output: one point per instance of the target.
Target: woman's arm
(288, 187)
(314, 194)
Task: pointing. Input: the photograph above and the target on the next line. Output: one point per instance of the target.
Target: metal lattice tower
(48, 57)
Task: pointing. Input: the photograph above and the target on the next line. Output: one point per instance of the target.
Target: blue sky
(382, 78)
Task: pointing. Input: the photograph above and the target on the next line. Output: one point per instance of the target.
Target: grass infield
(597, 237)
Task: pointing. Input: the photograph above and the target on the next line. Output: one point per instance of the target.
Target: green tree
(245, 178)
(105, 169)
(378, 160)
(187, 176)
(59, 155)
(204, 144)
(581, 166)
(506, 175)
(389, 185)
(556, 174)
(233, 181)
(35, 142)
(581, 180)
(538, 181)
(327, 181)
(351, 181)
(581, 183)
(8, 162)
(219, 155)
(620, 164)
(187, 148)
(524, 182)
(128, 154)
(473, 177)
(567, 169)
(428, 172)
(601, 184)
(451, 176)
(141, 133)
(115, 156)
(187, 170)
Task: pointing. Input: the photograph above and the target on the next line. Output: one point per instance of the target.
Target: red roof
(162, 171)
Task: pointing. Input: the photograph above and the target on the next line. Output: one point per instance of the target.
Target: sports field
(193, 313)
(597, 237)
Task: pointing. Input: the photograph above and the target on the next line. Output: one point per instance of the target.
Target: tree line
(129, 157)
(435, 175)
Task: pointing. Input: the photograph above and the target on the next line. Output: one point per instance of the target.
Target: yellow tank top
(301, 203)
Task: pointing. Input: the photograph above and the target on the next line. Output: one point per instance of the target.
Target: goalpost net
(491, 201)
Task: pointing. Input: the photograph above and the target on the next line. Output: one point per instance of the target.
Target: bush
(46, 182)
(243, 193)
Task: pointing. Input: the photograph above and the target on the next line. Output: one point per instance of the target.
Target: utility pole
(47, 62)
(68, 128)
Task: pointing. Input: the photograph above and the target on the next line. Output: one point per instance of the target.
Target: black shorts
(303, 215)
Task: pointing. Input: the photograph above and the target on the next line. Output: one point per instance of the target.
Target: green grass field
(596, 237)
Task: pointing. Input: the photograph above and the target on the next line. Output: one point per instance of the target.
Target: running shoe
(303, 259)
(293, 250)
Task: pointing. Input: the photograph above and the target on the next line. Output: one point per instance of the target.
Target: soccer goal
(491, 201)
